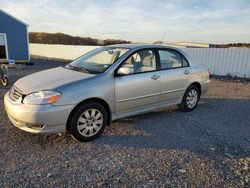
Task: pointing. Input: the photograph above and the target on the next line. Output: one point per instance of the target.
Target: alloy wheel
(90, 122)
(192, 98)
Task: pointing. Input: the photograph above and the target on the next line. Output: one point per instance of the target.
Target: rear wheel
(88, 122)
(190, 99)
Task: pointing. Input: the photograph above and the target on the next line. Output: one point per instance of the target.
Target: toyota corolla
(103, 85)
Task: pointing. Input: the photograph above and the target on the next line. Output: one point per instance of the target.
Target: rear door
(174, 73)
(137, 85)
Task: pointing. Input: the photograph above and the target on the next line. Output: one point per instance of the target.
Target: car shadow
(218, 126)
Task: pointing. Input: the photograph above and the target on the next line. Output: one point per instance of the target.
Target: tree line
(236, 45)
(230, 45)
(61, 38)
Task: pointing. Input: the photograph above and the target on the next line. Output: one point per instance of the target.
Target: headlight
(42, 97)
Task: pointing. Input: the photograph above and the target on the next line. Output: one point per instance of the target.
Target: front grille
(15, 94)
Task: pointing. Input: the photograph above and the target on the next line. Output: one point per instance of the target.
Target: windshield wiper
(78, 68)
(91, 71)
(82, 69)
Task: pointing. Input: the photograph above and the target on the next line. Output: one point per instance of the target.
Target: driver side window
(139, 62)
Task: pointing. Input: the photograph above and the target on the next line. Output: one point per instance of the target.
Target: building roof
(13, 17)
(188, 44)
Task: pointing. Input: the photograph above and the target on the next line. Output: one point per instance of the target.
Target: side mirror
(125, 71)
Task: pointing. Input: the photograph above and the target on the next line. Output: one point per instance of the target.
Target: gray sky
(212, 21)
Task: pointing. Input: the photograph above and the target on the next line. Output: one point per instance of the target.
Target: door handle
(186, 72)
(155, 77)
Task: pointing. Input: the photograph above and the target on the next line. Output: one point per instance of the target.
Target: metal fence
(222, 61)
(57, 51)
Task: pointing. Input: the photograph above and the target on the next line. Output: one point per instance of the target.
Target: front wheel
(190, 99)
(5, 81)
(88, 121)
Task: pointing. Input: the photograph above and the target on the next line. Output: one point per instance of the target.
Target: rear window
(170, 59)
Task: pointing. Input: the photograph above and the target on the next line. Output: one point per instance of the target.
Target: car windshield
(97, 61)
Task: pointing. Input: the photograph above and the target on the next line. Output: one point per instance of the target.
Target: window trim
(182, 57)
(136, 51)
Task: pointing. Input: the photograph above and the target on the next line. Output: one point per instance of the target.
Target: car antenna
(164, 36)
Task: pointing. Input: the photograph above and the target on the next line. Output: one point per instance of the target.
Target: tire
(5, 81)
(85, 126)
(190, 99)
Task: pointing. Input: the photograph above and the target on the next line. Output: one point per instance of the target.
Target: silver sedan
(103, 85)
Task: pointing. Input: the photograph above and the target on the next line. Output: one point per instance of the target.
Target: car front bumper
(37, 118)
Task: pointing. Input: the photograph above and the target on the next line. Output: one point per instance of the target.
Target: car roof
(136, 46)
(142, 46)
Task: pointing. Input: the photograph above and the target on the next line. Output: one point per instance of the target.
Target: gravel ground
(209, 147)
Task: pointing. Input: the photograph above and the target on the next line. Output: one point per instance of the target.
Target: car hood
(49, 79)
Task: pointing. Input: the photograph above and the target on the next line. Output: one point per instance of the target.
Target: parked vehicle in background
(103, 85)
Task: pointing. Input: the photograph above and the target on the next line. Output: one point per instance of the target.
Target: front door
(137, 85)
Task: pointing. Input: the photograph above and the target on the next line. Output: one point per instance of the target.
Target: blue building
(14, 39)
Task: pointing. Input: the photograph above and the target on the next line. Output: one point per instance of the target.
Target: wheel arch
(98, 100)
(198, 85)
